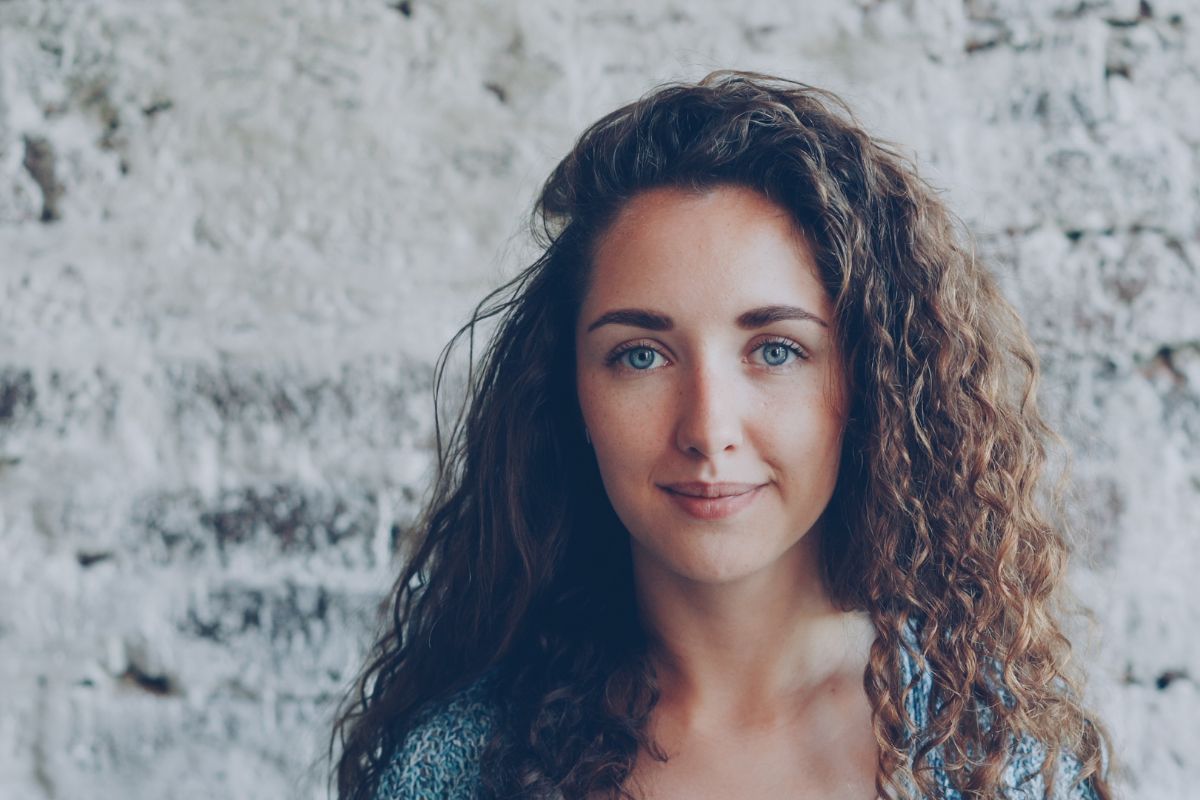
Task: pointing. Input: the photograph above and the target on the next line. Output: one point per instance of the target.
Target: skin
(761, 673)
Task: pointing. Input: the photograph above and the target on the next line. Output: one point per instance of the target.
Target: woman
(742, 503)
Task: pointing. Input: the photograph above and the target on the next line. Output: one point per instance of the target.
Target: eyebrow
(749, 320)
(635, 317)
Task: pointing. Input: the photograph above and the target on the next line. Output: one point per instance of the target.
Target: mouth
(709, 490)
(711, 500)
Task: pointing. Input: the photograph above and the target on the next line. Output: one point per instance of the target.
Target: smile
(712, 500)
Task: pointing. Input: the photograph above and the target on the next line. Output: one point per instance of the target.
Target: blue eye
(639, 358)
(775, 354)
(779, 353)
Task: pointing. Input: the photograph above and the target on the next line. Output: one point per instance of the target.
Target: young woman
(742, 503)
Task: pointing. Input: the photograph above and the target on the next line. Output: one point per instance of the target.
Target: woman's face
(709, 381)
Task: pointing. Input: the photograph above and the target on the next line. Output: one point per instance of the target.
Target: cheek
(799, 432)
(621, 425)
(629, 428)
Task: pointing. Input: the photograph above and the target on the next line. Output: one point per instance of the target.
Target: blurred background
(235, 235)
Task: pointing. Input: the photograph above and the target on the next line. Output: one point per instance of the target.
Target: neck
(740, 653)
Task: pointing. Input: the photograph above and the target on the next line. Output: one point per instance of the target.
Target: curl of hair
(520, 564)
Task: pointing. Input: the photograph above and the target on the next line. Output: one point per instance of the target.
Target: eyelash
(629, 347)
(799, 352)
(615, 356)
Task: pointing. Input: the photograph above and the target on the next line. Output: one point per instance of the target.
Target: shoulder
(439, 757)
(1022, 775)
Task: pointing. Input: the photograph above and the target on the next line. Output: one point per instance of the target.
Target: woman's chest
(782, 764)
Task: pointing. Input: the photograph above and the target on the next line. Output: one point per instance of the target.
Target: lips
(697, 489)
(711, 500)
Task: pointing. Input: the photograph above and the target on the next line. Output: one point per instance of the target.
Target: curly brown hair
(935, 524)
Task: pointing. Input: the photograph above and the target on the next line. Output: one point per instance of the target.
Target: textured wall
(234, 235)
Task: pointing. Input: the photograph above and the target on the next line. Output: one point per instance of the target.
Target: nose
(709, 418)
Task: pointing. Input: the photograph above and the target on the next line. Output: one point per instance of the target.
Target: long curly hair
(520, 568)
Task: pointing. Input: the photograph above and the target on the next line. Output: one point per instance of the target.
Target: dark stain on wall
(228, 612)
(1163, 681)
(157, 107)
(87, 560)
(153, 684)
(1166, 678)
(275, 520)
(295, 520)
(498, 90)
(39, 161)
(17, 393)
(239, 395)
(290, 616)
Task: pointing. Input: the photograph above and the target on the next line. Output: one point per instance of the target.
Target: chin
(712, 565)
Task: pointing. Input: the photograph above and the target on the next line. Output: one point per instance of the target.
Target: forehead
(721, 249)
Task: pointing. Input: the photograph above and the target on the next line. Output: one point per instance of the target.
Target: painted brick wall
(234, 236)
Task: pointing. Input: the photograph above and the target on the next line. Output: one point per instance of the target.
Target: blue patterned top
(440, 757)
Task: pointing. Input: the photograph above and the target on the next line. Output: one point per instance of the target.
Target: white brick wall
(234, 236)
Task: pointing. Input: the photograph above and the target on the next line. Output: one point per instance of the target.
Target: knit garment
(440, 757)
